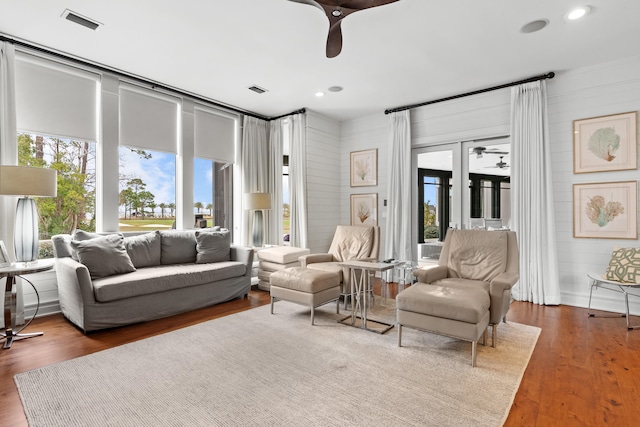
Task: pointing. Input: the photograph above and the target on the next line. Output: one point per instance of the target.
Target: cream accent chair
(478, 258)
(350, 242)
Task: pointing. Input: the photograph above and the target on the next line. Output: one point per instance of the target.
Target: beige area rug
(257, 369)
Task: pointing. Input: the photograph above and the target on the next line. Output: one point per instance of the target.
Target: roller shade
(148, 120)
(215, 134)
(55, 99)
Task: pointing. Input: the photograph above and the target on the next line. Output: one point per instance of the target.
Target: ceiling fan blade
(336, 11)
(334, 40)
(360, 4)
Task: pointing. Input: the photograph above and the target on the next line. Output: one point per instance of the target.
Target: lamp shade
(28, 181)
(256, 201)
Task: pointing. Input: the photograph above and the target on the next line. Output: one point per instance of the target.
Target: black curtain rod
(549, 75)
(300, 111)
(154, 85)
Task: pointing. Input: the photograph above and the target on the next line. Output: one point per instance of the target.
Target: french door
(459, 185)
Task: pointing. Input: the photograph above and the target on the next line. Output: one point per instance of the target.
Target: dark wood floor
(583, 372)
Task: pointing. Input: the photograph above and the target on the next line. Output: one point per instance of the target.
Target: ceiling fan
(479, 151)
(501, 164)
(336, 11)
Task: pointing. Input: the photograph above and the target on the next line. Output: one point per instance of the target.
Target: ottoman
(274, 259)
(307, 287)
(461, 313)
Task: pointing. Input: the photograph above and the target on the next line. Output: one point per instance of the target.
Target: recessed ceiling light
(335, 89)
(319, 94)
(578, 13)
(534, 26)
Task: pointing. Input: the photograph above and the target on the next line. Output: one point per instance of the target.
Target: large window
(117, 147)
(75, 162)
(147, 181)
(212, 193)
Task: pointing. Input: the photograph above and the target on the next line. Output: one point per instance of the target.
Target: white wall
(365, 133)
(323, 180)
(604, 89)
(581, 93)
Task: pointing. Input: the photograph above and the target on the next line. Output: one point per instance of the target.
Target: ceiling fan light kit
(336, 11)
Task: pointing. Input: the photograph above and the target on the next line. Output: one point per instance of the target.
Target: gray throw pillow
(80, 235)
(178, 247)
(144, 250)
(213, 246)
(104, 256)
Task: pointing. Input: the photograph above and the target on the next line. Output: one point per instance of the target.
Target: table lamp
(257, 202)
(27, 182)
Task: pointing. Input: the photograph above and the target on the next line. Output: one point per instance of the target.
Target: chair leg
(313, 313)
(626, 300)
(494, 335)
(399, 335)
(473, 353)
(273, 299)
(338, 306)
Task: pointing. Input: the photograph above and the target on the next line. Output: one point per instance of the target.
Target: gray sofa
(109, 280)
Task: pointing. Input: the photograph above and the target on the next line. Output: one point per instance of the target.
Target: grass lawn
(149, 224)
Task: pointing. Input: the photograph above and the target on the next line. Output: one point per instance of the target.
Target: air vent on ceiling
(257, 89)
(79, 19)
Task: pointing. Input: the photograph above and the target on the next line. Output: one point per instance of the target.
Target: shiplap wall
(323, 180)
(604, 89)
(365, 133)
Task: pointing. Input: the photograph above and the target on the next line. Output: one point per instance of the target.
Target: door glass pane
(434, 174)
(489, 183)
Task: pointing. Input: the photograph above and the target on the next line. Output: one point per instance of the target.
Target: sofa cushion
(281, 254)
(178, 247)
(161, 278)
(624, 265)
(104, 255)
(144, 250)
(213, 246)
(81, 235)
(477, 254)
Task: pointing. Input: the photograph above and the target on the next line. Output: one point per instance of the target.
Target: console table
(11, 272)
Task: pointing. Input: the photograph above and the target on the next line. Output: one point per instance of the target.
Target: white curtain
(298, 180)
(275, 182)
(8, 156)
(255, 172)
(398, 228)
(532, 196)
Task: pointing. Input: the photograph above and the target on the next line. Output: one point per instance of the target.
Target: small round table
(11, 272)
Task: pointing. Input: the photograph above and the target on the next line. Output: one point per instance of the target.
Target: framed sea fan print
(364, 209)
(606, 143)
(606, 210)
(364, 168)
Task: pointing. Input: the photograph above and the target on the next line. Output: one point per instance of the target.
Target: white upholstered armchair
(350, 242)
(478, 258)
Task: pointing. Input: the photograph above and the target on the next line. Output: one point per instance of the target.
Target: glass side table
(12, 271)
(403, 271)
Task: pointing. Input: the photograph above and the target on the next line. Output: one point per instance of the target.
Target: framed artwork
(4, 255)
(606, 210)
(606, 143)
(364, 209)
(364, 168)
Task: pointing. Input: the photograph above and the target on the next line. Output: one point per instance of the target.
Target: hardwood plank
(583, 371)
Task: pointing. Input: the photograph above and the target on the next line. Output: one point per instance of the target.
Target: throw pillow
(104, 256)
(213, 246)
(144, 250)
(178, 247)
(80, 235)
(624, 265)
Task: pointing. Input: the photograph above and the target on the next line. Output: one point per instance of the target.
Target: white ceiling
(398, 54)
